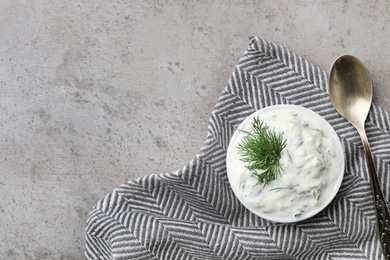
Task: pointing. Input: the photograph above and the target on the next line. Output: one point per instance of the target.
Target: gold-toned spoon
(350, 89)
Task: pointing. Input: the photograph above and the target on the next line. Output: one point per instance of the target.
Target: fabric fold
(193, 214)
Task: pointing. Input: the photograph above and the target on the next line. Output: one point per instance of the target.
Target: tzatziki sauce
(312, 162)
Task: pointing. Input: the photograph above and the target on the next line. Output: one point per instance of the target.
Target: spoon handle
(382, 210)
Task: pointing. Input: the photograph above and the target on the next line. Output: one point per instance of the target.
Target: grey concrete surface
(95, 93)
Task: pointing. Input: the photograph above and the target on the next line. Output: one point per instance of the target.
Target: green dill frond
(261, 149)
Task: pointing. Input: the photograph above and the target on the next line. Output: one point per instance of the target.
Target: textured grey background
(95, 93)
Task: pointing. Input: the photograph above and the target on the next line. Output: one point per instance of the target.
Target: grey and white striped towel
(193, 214)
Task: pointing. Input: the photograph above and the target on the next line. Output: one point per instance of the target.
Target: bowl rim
(336, 186)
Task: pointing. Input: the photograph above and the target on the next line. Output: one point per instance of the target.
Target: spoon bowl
(350, 89)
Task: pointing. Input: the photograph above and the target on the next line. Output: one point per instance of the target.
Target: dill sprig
(261, 149)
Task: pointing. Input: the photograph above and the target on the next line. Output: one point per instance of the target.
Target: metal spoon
(350, 89)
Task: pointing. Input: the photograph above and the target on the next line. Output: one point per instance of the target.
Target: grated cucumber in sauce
(310, 162)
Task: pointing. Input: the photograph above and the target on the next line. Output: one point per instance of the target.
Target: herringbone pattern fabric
(193, 214)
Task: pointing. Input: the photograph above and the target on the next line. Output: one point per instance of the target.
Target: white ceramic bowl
(232, 156)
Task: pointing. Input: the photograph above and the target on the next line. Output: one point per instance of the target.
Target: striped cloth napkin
(193, 214)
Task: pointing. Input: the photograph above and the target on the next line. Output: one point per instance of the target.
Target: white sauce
(311, 163)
